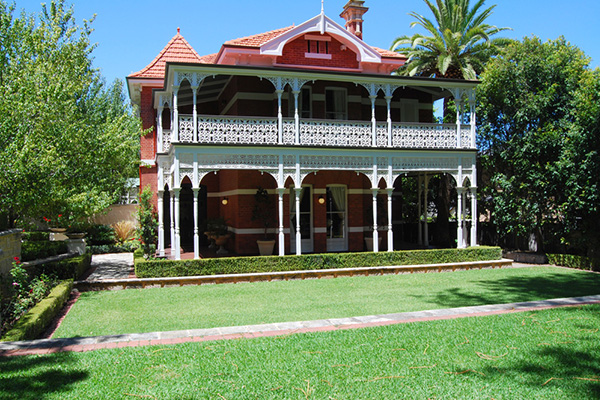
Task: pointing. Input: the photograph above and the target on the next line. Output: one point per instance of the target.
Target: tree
(459, 41)
(67, 140)
(538, 116)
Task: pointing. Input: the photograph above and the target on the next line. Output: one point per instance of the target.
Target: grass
(193, 307)
(550, 354)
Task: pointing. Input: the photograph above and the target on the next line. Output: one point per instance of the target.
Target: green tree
(67, 140)
(537, 127)
(458, 42)
(148, 222)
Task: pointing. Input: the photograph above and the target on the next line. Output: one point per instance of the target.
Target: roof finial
(178, 30)
(322, 7)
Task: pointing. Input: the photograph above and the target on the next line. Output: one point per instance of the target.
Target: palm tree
(459, 42)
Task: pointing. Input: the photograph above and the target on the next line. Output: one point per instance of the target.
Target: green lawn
(192, 307)
(550, 354)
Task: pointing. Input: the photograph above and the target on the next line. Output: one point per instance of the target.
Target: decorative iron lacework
(234, 130)
(465, 137)
(183, 172)
(186, 128)
(240, 161)
(166, 144)
(419, 163)
(382, 135)
(289, 131)
(335, 133)
(336, 162)
(424, 136)
(186, 160)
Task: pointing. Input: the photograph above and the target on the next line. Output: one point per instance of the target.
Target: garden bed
(245, 265)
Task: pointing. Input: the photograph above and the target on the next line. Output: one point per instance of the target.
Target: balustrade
(264, 131)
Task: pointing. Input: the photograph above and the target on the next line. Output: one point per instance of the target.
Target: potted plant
(218, 231)
(263, 211)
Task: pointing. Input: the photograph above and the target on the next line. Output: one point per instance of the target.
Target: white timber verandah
(292, 148)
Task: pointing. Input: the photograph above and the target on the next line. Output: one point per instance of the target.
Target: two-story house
(312, 114)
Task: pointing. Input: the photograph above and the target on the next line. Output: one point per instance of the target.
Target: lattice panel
(382, 135)
(166, 144)
(289, 131)
(465, 137)
(186, 128)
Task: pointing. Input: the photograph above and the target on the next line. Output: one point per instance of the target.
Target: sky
(130, 33)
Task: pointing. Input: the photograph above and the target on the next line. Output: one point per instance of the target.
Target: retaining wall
(10, 247)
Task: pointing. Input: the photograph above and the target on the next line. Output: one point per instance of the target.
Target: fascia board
(321, 24)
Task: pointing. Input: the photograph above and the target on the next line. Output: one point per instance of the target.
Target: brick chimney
(353, 12)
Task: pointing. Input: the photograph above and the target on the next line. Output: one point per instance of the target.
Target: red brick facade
(295, 53)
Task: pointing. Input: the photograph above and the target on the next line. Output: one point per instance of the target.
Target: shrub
(239, 265)
(148, 230)
(35, 236)
(38, 250)
(573, 261)
(124, 231)
(126, 247)
(97, 235)
(35, 321)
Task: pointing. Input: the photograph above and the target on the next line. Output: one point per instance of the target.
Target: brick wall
(294, 54)
(148, 116)
(10, 247)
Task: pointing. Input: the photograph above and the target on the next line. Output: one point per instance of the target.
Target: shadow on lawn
(519, 289)
(36, 377)
(573, 367)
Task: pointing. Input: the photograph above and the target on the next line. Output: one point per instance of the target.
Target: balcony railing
(315, 133)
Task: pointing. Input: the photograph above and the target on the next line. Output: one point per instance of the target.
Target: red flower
(17, 260)
(59, 215)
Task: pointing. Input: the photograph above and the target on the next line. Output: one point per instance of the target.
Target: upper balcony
(227, 105)
(229, 130)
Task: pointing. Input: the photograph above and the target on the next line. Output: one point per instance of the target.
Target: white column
(458, 117)
(159, 130)
(175, 122)
(296, 116)
(474, 216)
(464, 215)
(196, 235)
(419, 210)
(473, 121)
(388, 100)
(195, 114)
(161, 224)
(281, 236)
(390, 233)
(373, 125)
(177, 225)
(279, 118)
(297, 191)
(374, 191)
(425, 203)
(172, 214)
(459, 218)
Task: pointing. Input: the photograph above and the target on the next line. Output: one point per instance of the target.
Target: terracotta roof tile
(209, 58)
(388, 53)
(177, 50)
(257, 40)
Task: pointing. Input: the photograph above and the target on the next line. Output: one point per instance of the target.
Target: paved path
(46, 346)
(111, 266)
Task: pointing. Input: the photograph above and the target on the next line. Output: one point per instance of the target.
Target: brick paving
(47, 346)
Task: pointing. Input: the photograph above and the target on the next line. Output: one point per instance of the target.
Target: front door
(337, 218)
(306, 219)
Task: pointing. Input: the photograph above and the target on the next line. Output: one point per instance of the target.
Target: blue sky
(130, 33)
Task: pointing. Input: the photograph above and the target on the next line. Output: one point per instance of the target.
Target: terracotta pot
(265, 247)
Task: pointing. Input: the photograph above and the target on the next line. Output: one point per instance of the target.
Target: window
(318, 46)
(336, 103)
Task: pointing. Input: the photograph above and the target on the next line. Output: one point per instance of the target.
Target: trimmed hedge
(573, 261)
(241, 265)
(111, 248)
(35, 321)
(38, 250)
(71, 268)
